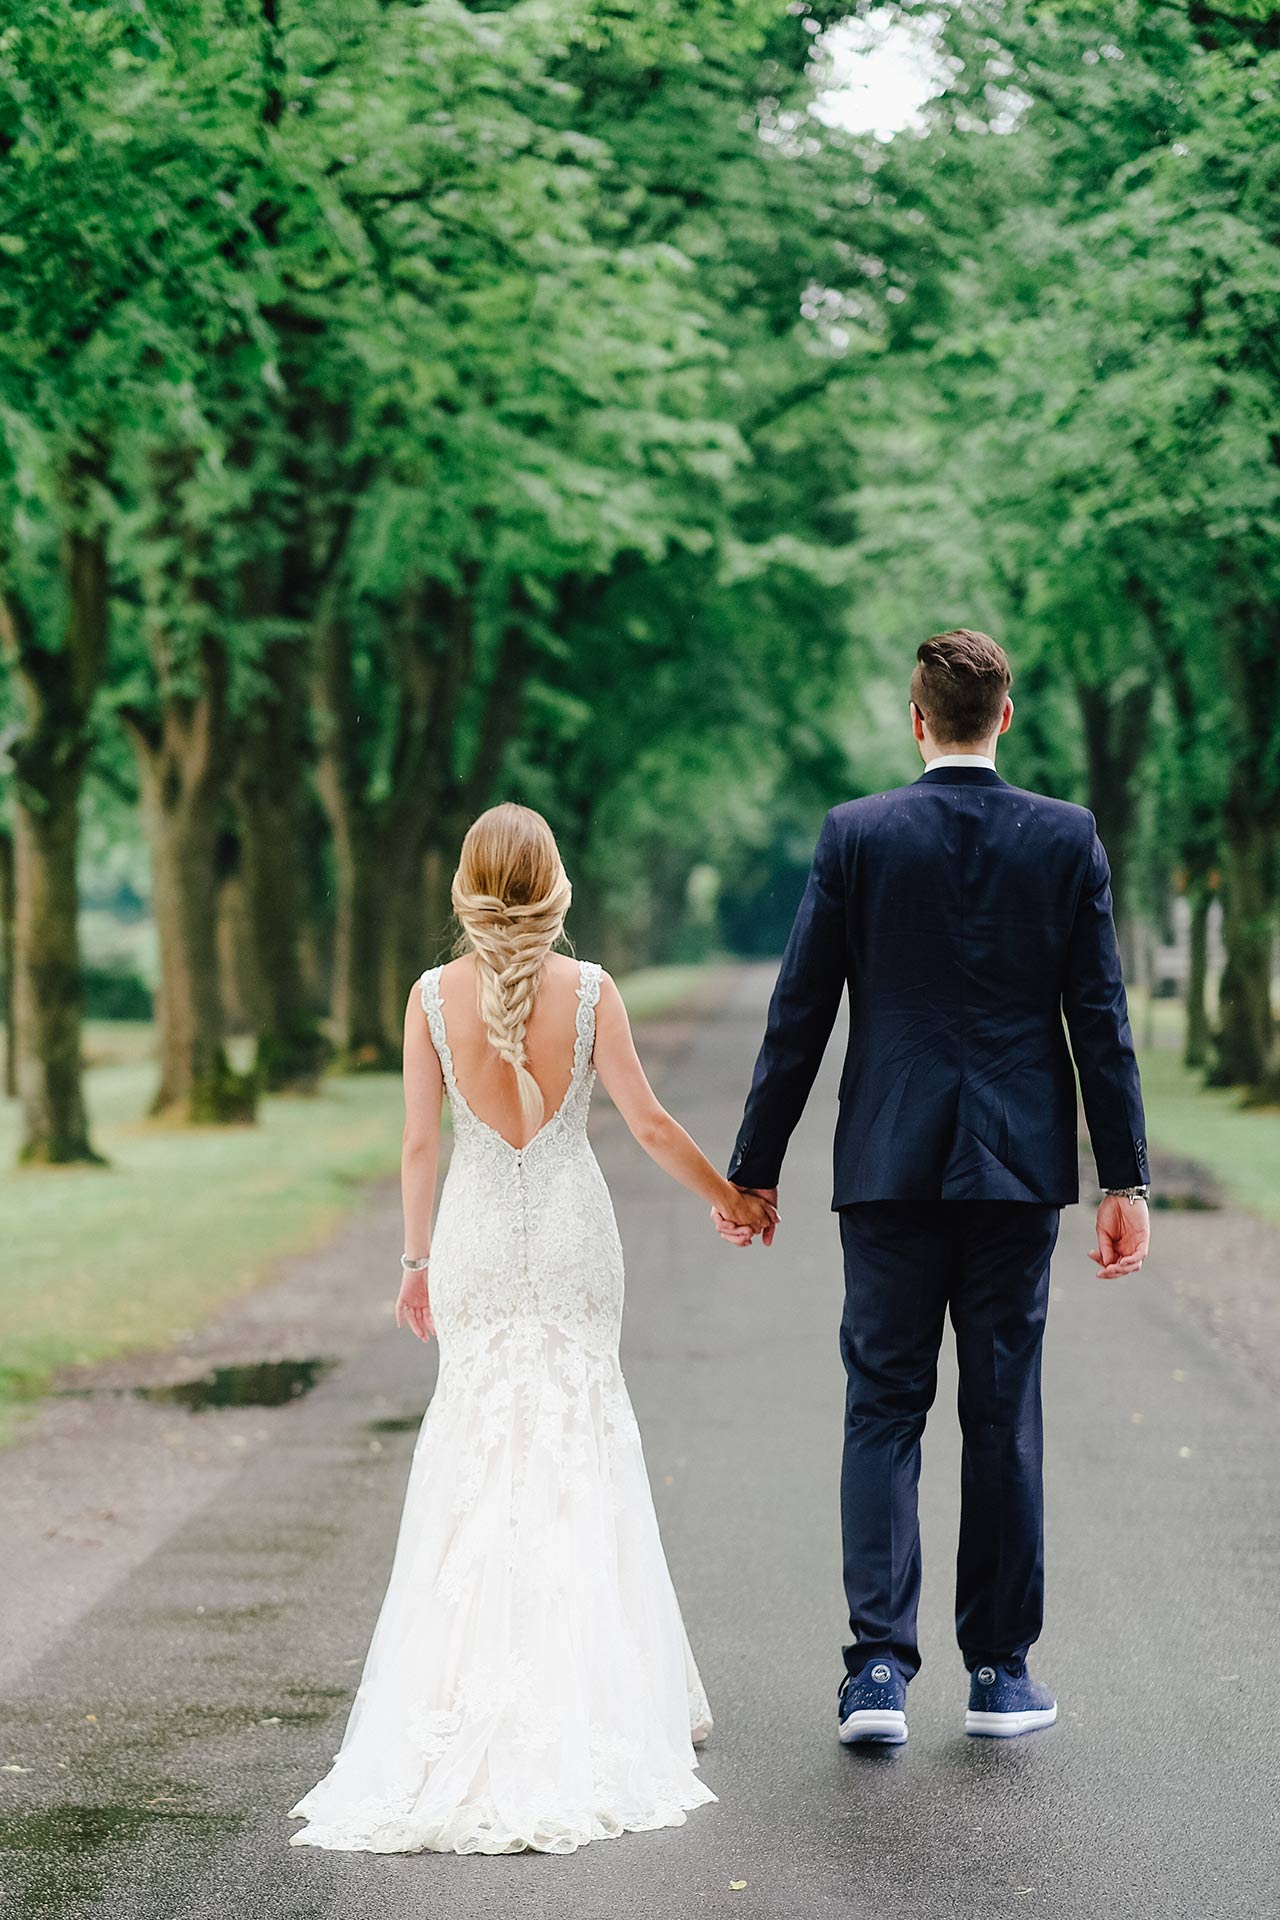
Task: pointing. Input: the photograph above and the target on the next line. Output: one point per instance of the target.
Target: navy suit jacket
(966, 918)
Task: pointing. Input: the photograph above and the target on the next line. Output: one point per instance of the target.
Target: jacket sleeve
(1093, 1000)
(802, 1012)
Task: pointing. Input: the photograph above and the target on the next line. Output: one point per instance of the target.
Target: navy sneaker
(1005, 1700)
(873, 1705)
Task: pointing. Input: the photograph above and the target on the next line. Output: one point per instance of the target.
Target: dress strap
(589, 975)
(433, 1007)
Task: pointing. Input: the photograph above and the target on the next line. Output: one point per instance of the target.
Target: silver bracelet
(414, 1266)
(1126, 1193)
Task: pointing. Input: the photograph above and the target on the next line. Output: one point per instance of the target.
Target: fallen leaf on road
(272, 1720)
(92, 1718)
(11, 1766)
(1184, 1453)
(737, 1886)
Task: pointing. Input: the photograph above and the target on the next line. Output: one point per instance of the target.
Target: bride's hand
(745, 1212)
(413, 1306)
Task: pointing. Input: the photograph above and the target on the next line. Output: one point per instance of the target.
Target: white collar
(960, 760)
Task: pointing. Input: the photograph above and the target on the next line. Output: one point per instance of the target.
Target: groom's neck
(937, 749)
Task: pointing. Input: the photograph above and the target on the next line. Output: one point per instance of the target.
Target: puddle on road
(396, 1423)
(262, 1383)
(249, 1383)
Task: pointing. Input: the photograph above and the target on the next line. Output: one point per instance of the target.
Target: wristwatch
(1127, 1193)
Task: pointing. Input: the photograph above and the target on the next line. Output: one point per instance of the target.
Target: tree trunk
(6, 964)
(362, 1039)
(59, 686)
(1197, 1039)
(437, 907)
(270, 790)
(237, 972)
(403, 948)
(47, 983)
(358, 940)
(1246, 1036)
(1115, 733)
(182, 752)
(181, 788)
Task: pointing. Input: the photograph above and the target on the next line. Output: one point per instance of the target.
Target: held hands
(1124, 1235)
(746, 1212)
(413, 1306)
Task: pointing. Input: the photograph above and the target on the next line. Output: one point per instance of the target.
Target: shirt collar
(960, 760)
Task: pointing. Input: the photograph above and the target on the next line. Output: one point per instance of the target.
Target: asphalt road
(217, 1674)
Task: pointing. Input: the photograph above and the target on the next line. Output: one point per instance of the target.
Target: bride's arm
(663, 1139)
(419, 1162)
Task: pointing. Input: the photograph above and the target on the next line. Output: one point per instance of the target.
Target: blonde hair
(511, 894)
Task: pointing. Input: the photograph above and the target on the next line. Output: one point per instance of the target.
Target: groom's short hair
(960, 683)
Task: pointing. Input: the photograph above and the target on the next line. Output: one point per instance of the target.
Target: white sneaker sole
(1002, 1726)
(884, 1725)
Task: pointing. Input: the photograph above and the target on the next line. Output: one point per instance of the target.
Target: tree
(58, 682)
(1098, 342)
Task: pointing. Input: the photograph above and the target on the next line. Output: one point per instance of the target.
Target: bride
(529, 1682)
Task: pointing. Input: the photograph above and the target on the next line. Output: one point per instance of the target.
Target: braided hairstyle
(510, 894)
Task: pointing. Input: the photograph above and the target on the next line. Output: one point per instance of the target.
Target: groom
(965, 917)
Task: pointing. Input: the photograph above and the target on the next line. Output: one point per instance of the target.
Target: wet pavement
(152, 1749)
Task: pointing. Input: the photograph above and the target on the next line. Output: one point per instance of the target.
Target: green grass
(102, 1261)
(652, 991)
(1239, 1145)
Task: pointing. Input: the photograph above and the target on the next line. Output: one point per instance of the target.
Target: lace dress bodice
(525, 1234)
(529, 1682)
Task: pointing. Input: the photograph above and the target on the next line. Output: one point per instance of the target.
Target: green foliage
(463, 381)
(1077, 425)
(544, 400)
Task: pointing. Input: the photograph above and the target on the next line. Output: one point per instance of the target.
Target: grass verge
(1239, 1145)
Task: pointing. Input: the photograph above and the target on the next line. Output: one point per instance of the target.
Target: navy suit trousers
(906, 1263)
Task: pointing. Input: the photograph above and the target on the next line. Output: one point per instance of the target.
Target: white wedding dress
(529, 1681)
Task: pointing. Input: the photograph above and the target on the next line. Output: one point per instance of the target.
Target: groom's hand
(741, 1236)
(1123, 1228)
